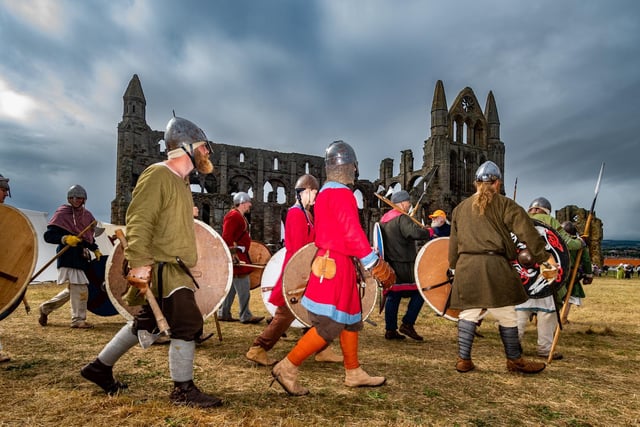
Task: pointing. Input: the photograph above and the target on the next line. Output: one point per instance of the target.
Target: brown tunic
(480, 250)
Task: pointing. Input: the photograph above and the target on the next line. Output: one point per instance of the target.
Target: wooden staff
(574, 270)
(63, 250)
(398, 208)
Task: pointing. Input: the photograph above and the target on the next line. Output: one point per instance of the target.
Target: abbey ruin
(462, 137)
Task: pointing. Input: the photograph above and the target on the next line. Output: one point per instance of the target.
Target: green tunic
(481, 250)
(160, 226)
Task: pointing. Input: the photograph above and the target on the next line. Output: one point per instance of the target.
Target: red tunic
(297, 233)
(235, 232)
(338, 230)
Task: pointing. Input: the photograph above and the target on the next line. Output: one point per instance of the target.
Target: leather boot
(328, 355)
(525, 366)
(359, 378)
(464, 365)
(102, 375)
(258, 355)
(186, 393)
(409, 331)
(286, 374)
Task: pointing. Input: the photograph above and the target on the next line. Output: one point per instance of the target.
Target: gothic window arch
(306, 167)
(359, 198)
(240, 183)
(241, 157)
(275, 164)
(274, 191)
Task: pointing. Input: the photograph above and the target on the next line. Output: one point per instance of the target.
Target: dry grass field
(597, 384)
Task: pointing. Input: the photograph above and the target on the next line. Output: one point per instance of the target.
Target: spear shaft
(574, 270)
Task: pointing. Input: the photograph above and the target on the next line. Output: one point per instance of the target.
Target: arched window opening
(359, 199)
(241, 157)
(275, 163)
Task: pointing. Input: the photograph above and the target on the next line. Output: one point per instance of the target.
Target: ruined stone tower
(462, 138)
(268, 176)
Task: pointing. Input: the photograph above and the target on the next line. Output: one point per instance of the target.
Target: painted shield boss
(18, 257)
(259, 254)
(296, 275)
(430, 271)
(533, 282)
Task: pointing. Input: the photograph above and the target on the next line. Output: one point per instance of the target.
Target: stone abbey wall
(462, 137)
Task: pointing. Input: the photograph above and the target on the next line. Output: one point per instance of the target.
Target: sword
(574, 270)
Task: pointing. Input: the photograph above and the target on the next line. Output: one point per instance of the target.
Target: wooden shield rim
(269, 279)
(203, 259)
(23, 278)
(255, 277)
(370, 285)
(126, 311)
(449, 314)
(564, 270)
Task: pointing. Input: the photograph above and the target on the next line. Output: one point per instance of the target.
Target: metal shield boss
(270, 277)
(18, 257)
(534, 284)
(259, 254)
(296, 276)
(213, 272)
(430, 270)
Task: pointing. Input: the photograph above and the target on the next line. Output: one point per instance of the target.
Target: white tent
(46, 251)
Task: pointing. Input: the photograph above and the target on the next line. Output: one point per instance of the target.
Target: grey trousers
(78, 294)
(242, 287)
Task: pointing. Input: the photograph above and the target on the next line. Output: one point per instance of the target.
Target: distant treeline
(621, 248)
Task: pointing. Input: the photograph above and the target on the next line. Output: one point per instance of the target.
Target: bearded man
(160, 232)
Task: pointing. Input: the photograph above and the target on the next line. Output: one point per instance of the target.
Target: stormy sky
(293, 75)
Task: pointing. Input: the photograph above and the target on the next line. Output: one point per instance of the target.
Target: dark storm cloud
(293, 76)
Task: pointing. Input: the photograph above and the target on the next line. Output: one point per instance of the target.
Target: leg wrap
(181, 355)
(349, 345)
(466, 334)
(511, 342)
(119, 345)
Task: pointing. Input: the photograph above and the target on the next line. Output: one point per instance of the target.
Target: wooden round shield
(259, 254)
(213, 272)
(430, 270)
(533, 282)
(269, 278)
(18, 257)
(296, 275)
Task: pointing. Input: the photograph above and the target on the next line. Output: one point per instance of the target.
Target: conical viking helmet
(182, 133)
(77, 191)
(488, 172)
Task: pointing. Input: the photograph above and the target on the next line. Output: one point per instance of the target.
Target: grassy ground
(597, 383)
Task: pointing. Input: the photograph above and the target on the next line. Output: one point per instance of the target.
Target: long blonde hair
(484, 195)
